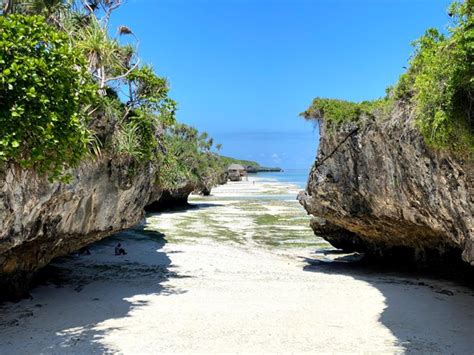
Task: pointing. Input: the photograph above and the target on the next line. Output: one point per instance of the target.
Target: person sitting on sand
(119, 250)
(84, 251)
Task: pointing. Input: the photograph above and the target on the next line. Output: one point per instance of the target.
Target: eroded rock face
(40, 221)
(377, 188)
(177, 197)
(171, 198)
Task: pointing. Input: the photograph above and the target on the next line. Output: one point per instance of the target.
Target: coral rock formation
(377, 188)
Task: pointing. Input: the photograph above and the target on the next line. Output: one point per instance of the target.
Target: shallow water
(257, 212)
(296, 177)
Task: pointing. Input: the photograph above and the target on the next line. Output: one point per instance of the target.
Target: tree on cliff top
(189, 158)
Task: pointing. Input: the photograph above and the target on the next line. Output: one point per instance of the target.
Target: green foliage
(44, 93)
(127, 141)
(332, 110)
(336, 112)
(148, 110)
(60, 83)
(60, 101)
(96, 45)
(226, 161)
(148, 88)
(31, 7)
(440, 82)
(438, 85)
(188, 158)
(137, 135)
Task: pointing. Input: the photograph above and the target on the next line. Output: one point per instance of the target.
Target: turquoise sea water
(298, 177)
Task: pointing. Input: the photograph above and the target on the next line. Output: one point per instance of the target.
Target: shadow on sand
(81, 292)
(423, 309)
(181, 208)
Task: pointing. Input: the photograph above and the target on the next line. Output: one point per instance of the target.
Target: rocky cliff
(171, 198)
(177, 197)
(377, 188)
(40, 221)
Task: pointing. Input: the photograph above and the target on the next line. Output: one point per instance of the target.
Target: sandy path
(216, 297)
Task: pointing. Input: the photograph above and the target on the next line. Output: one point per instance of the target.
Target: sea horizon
(295, 176)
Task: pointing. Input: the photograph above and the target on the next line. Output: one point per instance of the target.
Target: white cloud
(276, 158)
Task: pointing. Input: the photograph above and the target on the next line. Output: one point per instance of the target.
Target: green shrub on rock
(44, 93)
(189, 158)
(440, 82)
(336, 112)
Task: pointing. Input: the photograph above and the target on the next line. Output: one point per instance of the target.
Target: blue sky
(242, 70)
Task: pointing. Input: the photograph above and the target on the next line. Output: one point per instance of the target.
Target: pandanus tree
(101, 51)
(109, 61)
(52, 10)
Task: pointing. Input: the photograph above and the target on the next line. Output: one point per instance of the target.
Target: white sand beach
(241, 273)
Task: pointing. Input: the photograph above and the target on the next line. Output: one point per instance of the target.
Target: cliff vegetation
(71, 91)
(438, 86)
